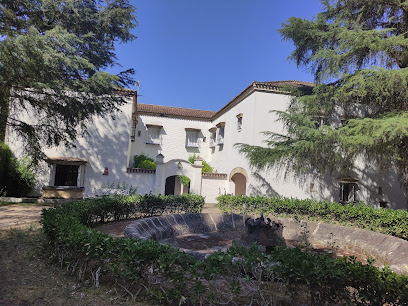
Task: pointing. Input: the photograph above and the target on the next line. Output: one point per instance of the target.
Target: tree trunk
(4, 111)
(405, 182)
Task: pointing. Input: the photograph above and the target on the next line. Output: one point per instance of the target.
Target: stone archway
(240, 177)
(170, 185)
(173, 186)
(178, 167)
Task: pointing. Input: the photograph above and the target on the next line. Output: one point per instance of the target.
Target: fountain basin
(202, 234)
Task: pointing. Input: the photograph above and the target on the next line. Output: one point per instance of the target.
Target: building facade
(102, 161)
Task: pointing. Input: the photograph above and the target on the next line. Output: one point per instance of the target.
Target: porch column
(159, 181)
(196, 180)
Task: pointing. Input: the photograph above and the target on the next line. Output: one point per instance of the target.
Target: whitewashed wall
(257, 118)
(212, 188)
(108, 145)
(173, 138)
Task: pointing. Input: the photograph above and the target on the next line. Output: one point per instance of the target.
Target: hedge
(170, 276)
(17, 177)
(383, 220)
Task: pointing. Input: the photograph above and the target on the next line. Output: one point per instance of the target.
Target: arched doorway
(239, 176)
(174, 186)
(240, 184)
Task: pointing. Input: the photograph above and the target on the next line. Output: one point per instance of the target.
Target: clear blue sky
(201, 54)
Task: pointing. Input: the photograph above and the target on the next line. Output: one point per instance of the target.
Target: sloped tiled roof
(174, 111)
(286, 83)
(274, 86)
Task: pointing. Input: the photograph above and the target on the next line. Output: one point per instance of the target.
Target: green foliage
(358, 53)
(143, 161)
(24, 178)
(56, 51)
(147, 164)
(137, 264)
(17, 177)
(5, 162)
(184, 180)
(206, 166)
(387, 221)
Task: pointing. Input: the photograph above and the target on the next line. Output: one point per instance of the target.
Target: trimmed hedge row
(116, 208)
(168, 275)
(387, 221)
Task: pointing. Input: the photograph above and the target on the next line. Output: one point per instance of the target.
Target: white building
(170, 135)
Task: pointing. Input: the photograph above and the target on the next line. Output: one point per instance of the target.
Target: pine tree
(52, 59)
(357, 51)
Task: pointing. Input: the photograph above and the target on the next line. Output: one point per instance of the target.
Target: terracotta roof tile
(211, 115)
(174, 111)
(286, 83)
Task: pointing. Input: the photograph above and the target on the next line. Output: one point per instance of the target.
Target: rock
(266, 234)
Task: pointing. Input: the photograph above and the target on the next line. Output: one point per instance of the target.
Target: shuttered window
(153, 135)
(192, 139)
(66, 175)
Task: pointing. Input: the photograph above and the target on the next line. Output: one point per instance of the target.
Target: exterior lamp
(179, 165)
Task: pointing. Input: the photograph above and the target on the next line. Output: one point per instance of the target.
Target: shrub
(184, 180)
(5, 162)
(206, 166)
(173, 276)
(143, 161)
(147, 164)
(17, 177)
(387, 221)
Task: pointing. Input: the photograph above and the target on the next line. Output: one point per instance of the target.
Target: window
(153, 134)
(192, 138)
(213, 137)
(133, 134)
(319, 121)
(348, 192)
(220, 134)
(239, 122)
(66, 175)
(344, 121)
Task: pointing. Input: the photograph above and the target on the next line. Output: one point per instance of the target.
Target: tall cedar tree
(52, 57)
(357, 51)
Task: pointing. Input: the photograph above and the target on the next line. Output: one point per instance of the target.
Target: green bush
(143, 161)
(5, 162)
(147, 164)
(387, 221)
(17, 177)
(206, 166)
(171, 276)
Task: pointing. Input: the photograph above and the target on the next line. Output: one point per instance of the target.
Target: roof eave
(172, 116)
(254, 86)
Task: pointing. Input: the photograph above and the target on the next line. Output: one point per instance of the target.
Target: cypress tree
(53, 54)
(357, 51)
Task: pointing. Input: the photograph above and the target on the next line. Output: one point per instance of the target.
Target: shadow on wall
(370, 178)
(104, 145)
(263, 188)
(376, 186)
(140, 144)
(382, 185)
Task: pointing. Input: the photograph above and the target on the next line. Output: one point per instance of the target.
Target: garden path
(20, 216)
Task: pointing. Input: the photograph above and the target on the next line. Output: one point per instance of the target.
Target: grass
(28, 277)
